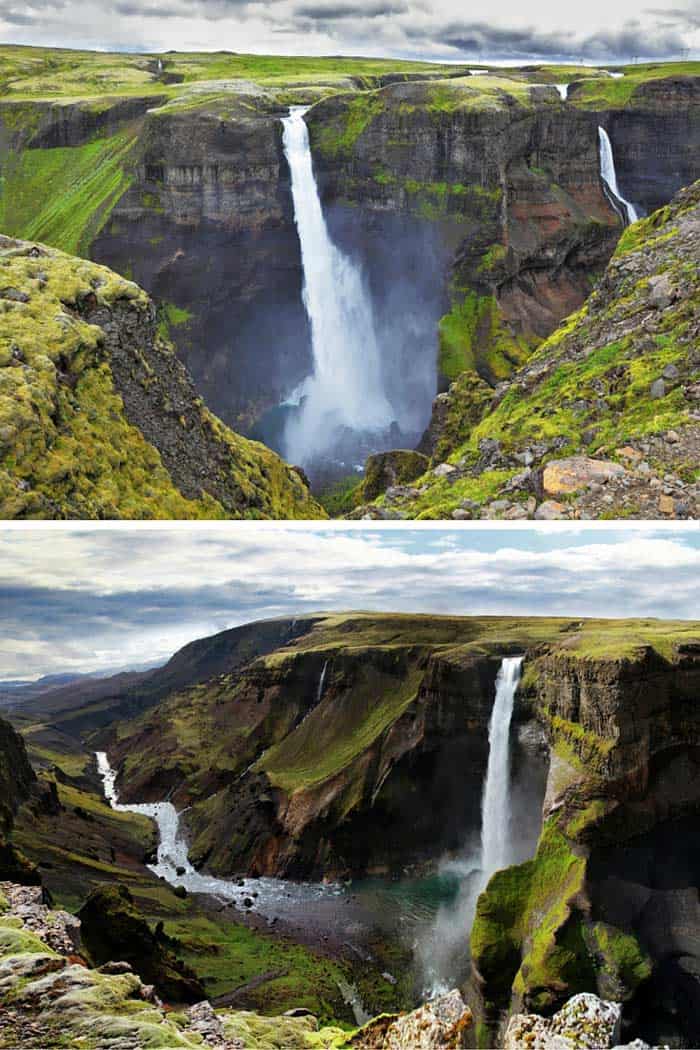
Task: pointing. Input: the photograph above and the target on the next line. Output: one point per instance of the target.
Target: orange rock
(666, 505)
(577, 472)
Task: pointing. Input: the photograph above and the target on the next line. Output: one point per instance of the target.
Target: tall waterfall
(345, 389)
(609, 176)
(441, 952)
(495, 803)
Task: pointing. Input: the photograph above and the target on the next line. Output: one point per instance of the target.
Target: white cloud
(109, 598)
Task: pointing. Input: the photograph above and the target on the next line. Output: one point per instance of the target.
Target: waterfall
(346, 388)
(321, 682)
(495, 803)
(563, 90)
(440, 953)
(609, 176)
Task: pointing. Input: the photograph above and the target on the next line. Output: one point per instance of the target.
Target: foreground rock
(50, 997)
(112, 928)
(99, 419)
(584, 1023)
(441, 1023)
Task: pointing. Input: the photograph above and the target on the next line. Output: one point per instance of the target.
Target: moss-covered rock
(398, 467)
(113, 929)
(616, 388)
(98, 418)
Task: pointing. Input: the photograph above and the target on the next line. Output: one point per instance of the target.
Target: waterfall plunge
(495, 804)
(609, 176)
(346, 388)
(441, 955)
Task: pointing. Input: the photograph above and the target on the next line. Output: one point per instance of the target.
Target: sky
(432, 29)
(84, 599)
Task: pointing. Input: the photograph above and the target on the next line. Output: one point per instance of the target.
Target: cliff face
(100, 419)
(474, 205)
(661, 120)
(502, 178)
(208, 226)
(17, 781)
(609, 901)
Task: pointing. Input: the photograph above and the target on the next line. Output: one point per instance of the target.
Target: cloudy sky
(444, 29)
(81, 599)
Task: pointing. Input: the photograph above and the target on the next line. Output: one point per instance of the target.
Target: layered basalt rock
(609, 902)
(208, 226)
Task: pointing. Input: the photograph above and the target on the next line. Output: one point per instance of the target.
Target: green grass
(63, 196)
(339, 729)
(474, 337)
(617, 92)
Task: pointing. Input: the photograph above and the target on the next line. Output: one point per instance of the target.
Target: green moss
(626, 961)
(338, 137)
(475, 337)
(526, 935)
(606, 92)
(171, 316)
(338, 730)
(66, 447)
(64, 196)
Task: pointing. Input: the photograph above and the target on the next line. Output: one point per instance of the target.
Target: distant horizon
(407, 30)
(468, 59)
(106, 600)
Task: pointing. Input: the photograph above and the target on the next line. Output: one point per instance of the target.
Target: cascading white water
(563, 90)
(346, 388)
(441, 953)
(321, 683)
(272, 896)
(495, 804)
(609, 175)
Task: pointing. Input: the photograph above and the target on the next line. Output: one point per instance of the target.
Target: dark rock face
(17, 781)
(621, 813)
(656, 140)
(113, 931)
(208, 226)
(526, 178)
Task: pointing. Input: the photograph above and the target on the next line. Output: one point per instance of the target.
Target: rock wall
(609, 903)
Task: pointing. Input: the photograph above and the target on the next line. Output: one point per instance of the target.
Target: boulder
(584, 1023)
(441, 1023)
(562, 476)
(386, 469)
(114, 930)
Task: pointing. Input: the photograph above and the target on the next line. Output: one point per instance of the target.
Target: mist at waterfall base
(442, 952)
(430, 914)
(373, 373)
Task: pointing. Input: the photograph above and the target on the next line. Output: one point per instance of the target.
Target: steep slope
(359, 746)
(98, 418)
(609, 902)
(17, 781)
(603, 420)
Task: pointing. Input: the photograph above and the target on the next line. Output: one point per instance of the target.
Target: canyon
(356, 746)
(473, 207)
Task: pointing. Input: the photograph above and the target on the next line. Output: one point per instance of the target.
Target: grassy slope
(545, 409)
(66, 447)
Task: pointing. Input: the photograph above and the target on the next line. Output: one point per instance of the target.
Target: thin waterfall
(346, 388)
(563, 90)
(495, 804)
(609, 176)
(321, 683)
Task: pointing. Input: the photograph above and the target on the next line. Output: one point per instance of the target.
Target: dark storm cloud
(504, 43)
(128, 10)
(334, 12)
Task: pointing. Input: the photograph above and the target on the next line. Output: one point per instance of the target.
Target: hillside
(98, 418)
(602, 421)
